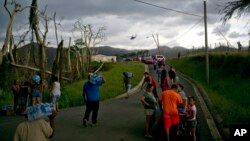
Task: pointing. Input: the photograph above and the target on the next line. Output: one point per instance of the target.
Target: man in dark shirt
(91, 97)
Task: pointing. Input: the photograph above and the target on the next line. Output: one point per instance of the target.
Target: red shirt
(150, 80)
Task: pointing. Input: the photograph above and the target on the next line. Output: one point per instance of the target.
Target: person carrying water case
(129, 74)
(96, 78)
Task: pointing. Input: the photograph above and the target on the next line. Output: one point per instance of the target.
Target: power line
(168, 9)
(224, 37)
(186, 31)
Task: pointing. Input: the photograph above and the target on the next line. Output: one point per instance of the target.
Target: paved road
(119, 120)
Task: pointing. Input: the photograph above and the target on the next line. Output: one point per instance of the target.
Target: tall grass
(72, 93)
(229, 85)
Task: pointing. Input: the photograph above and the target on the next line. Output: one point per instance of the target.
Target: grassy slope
(72, 93)
(229, 85)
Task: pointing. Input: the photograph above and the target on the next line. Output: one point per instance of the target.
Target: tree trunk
(61, 62)
(77, 64)
(8, 33)
(69, 59)
(41, 53)
(12, 60)
(249, 46)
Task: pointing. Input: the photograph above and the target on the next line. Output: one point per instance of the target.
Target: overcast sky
(124, 18)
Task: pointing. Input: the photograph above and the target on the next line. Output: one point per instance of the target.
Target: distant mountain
(110, 51)
(164, 50)
(105, 50)
(32, 48)
(169, 52)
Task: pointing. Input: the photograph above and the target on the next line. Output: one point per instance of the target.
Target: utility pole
(157, 42)
(206, 42)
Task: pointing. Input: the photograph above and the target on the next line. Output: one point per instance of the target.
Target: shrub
(6, 98)
(4, 73)
(228, 88)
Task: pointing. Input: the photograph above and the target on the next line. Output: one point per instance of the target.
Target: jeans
(92, 106)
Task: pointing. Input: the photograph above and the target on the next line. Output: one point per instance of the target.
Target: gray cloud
(224, 29)
(124, 18)
(236, 35)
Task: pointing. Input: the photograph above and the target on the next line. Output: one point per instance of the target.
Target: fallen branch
(35, 69)
(99, 68)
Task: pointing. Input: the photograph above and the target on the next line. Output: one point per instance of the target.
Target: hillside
(165, 50)
(105, 50)
(169, 52)
(228, 86)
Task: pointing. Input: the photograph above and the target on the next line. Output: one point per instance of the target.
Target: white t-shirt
(56, 89)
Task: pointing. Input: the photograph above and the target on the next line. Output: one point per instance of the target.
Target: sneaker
(149, 136)
(85, 122)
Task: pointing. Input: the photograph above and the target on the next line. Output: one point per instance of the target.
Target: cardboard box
(7, 112)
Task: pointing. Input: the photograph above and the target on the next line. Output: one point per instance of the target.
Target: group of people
(166, 107)
(29, 95)
(169, 105)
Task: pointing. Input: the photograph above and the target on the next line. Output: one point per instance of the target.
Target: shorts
(182, 110)
(128, 87)
(192, 123)
(55, 98)
(149, 112)
(171, 121)
(36, 93)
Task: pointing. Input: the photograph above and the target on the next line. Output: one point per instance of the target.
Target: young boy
(191, 117)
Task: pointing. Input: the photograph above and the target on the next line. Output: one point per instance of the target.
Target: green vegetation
(112, 72)
(229, 85)
(4, 73)
(72, 93)
(5, 98)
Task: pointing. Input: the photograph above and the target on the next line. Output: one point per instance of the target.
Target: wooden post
(249, 46)
(206, 43)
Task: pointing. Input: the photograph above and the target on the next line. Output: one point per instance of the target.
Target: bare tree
(40, 38)
(90, 38)
(56, 64)
(8, 39)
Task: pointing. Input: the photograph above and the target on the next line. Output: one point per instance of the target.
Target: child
(182, 108)
(55, 93)
(191, 117)
(149, 102)
(36, 90)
